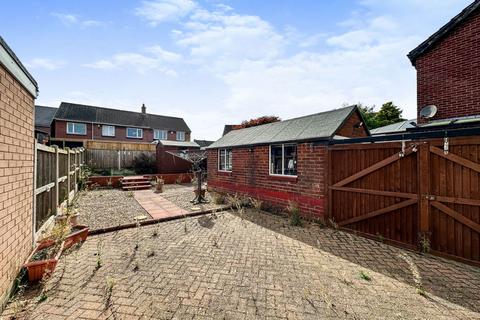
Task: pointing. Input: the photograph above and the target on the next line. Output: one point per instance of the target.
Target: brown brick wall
(16, 178)
(60, 131)
(250, 176)
(448, 75)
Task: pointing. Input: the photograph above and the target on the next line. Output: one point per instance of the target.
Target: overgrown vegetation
(144, 163)
(294, 212)
(217, 197)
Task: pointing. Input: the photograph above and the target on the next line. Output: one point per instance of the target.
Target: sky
(218, 62)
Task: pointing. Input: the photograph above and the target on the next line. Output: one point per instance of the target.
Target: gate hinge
(430, 197)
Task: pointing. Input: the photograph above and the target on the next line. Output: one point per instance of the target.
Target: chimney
(144, 109)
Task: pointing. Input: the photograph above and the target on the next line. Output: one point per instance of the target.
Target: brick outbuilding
(282, 162)
(18, 90)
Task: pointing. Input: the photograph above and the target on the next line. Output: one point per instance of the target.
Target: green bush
(144, 163)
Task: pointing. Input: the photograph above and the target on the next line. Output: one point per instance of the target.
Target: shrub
(218, 198)
(294, 211)
(144, 163)
(256, 203)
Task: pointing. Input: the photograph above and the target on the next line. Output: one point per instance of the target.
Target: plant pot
(38, 269)
(79, 234)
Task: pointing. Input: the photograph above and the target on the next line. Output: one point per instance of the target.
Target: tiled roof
(84, 113)
(44, 115)
(312, 127)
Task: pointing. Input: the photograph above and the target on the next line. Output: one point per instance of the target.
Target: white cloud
(159, 11)
(157, 59)
(46, 64)
(70, 19)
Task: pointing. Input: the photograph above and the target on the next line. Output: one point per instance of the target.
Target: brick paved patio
(252, 266)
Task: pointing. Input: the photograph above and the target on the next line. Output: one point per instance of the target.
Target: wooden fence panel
(113, 159)
(52, 183)
(419, 195)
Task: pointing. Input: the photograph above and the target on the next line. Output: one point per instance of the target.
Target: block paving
(251, 266)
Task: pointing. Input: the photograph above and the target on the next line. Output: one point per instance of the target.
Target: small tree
(144, 163)
(389, 113)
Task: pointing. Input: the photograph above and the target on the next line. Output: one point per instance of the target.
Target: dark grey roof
(228, 128)
(79, 112)
(443, 31)
(395, 127)
(203, 143)
(44, 115)
(317, 126)
(17, 61)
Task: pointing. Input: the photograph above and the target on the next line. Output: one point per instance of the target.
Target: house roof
(317, 126)
(10, 60)
(443, 31)
(227, 128)
(44, 115)
(203, 143)
(395, 127)
(78, 112)
(186, 144)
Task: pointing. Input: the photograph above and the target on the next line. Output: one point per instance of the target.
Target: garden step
(134, 183)
(136, 187)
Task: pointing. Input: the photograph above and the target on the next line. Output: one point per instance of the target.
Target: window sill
(135, 138)
(284, 178)
(77, 134)
(224, 173)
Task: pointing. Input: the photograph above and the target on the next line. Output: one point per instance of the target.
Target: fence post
(75, 168)
(68, 174)
(57, 185)
(34, 218)
(424, 192)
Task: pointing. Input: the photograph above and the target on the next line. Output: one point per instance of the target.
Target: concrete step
(132, 183)
(136, 187)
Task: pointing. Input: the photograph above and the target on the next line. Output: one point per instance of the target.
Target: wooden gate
(417, 195)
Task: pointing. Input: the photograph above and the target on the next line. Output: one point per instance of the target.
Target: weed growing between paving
(364, 276)
(417, 278)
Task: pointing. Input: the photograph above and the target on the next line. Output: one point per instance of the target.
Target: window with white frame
(180, 136)
(159, 134)
(283, 159)
(225, 159)
(108, 131)
(136, 133)
(76, 128)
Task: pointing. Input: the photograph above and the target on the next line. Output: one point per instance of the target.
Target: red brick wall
(16, 178)
(351, 129)
(448, 75)
(250, 176)
(60, 131)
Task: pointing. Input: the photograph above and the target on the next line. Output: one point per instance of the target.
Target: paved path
(157, 206)
(252, 266)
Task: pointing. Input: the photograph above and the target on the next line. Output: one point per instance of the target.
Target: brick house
(448, 67)
(73, 124)
(282, 161)
(18, 90)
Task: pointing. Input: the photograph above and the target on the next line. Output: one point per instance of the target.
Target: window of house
(136, 133)
(159, 134)
(225, 160)
(283, 159)
(108, 131)
(76, 128)
(180, 136)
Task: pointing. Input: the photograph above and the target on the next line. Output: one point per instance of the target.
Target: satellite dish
(428, 112)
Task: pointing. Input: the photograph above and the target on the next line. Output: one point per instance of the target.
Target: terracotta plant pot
(79, 234)
(38, 269)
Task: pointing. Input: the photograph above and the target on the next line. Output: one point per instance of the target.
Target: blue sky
(215, 62)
